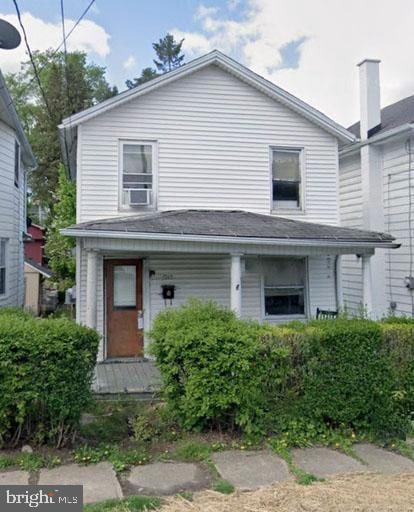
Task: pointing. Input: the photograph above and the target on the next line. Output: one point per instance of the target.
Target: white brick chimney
(372, 192)
(369, 96)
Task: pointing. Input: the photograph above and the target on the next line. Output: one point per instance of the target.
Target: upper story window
(2, 266)
(286, 179)
(16, 163)
(137, 168)
(284, 287)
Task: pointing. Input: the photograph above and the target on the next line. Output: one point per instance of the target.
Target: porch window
(284, 287)
(286, 178)
(137, 175)
(2, 266)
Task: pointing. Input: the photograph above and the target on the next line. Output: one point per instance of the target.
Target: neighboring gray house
(16, 158)
(209, 182)
(377, 192)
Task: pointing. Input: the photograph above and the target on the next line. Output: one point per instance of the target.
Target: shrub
(215, 372)
(398, 345)
(348, 380)
(46, 369)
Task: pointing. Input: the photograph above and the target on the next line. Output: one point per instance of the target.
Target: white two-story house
(16, 159)
(207, 182)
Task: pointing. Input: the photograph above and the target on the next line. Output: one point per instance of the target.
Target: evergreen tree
(169, 54)
(59, 248)
(147, 74)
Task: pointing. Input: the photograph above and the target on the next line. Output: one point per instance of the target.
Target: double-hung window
(16, 163)
(286, 178)
(137, 162)
(284, 287)
(2, 266)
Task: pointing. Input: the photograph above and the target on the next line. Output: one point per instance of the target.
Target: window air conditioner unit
(141, 197)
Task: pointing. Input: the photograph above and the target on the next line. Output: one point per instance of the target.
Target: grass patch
(191, 451)
(223, 486)
(130, 504)
(120, 458)
(301, 476)
(401, 447)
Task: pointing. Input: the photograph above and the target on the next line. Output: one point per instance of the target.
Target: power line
(66, 77)
(65, 38)
(29, 51)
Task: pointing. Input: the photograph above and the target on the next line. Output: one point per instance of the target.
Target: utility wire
(66, 79)
(29, 51)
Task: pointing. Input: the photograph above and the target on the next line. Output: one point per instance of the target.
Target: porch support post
(235, 284)
(367, 291)
(91, 281)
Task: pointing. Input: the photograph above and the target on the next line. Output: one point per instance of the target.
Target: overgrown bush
(46, 369)
(348, 379)
(215, 373)
(219, 371)
(398, 345)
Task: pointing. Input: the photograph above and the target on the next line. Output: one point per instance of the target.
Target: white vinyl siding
(397, 193)
(12, 218)
(351, 216)
(213, 135)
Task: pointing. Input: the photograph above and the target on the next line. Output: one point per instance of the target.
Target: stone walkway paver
(99, 480)
(14, 478)
(166, 478)
(324, 462)
(383, 461)
(251, 470)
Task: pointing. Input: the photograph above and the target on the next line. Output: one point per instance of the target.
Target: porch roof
(225, 226)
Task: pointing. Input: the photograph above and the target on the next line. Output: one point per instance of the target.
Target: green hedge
(221, 371)
(46, 369)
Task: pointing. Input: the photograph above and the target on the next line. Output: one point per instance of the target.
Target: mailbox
(168, 291)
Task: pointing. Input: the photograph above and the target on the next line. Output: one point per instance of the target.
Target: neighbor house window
(137, 174)
(2, 266)
(286, 178)
(16, 163)
(284, 286)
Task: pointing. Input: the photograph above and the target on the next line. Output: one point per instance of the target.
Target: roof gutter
(377, 139)
(87, 233)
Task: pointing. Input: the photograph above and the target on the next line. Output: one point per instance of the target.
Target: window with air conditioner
(284, 287)
(286, 179)
(137, 167)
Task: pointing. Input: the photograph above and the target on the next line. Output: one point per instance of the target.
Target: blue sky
(132, 24)
(308, 47)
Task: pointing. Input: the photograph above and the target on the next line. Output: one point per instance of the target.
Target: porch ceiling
(228, 227)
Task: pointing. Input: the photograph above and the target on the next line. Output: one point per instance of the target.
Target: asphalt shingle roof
(231, 224)
(397, 114)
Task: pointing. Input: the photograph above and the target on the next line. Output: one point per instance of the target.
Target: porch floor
(138, 377)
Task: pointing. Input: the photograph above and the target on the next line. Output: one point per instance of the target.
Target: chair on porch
(325, 314)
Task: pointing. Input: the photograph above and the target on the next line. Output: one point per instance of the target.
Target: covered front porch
(263, 267)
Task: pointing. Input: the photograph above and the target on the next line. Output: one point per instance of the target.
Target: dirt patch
(356, 493)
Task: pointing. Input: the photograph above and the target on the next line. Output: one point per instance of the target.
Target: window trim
(4, 240)
(16, 164)
(302, 195)
(144, 142)
(283, 318)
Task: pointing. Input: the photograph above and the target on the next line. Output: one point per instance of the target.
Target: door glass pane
(124, 286)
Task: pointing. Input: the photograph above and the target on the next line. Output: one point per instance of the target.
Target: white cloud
(130, 62)
(88, 36)
(338, 35)
(233, 4)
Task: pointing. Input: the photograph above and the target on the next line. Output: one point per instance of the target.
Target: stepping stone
(99, 480)
(14, 478)
(166, 478)
(383, 461)
(324, 462)
(251, 470)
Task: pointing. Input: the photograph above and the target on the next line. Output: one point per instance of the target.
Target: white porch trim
(235, 284)
(91, 288)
